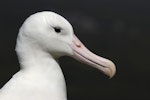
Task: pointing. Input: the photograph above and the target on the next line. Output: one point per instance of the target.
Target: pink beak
(82, 54)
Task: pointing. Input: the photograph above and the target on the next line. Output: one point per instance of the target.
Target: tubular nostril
(78, 45)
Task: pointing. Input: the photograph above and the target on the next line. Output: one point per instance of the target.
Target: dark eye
(57, 29)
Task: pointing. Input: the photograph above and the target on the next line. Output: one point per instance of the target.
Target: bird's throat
(43, 74)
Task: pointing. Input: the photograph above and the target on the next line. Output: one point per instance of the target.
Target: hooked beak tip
(108, 68)
(112, 70)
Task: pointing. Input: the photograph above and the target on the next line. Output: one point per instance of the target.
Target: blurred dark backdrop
(115, 29)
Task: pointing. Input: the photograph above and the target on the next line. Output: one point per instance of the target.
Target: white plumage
(42, 39)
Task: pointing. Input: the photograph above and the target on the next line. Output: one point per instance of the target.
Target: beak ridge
(82, 54)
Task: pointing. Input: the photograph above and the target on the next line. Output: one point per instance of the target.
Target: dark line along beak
(82, 54)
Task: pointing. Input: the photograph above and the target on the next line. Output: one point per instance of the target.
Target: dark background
(118, 30)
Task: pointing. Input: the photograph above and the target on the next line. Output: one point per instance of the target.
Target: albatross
(43, 38)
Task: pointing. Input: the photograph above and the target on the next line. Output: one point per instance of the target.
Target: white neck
(42, 72)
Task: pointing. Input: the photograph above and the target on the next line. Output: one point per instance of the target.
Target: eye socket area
(57, 29)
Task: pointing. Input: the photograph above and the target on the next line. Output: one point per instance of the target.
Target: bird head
(52, 33)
